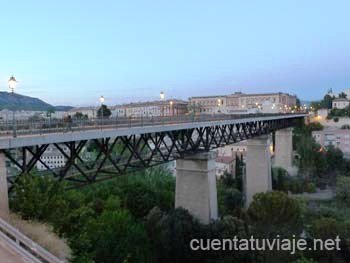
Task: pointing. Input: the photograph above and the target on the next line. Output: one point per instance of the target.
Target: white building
(240, 103)
(53, 158)
(340, 103)
(173, 107)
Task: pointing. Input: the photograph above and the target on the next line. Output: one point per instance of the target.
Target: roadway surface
(9, 256)
(29, 136)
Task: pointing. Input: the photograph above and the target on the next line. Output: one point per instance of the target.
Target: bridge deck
(47, 136)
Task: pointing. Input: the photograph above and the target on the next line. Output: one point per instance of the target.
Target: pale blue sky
(71, 52)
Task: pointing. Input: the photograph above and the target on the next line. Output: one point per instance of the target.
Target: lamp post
(162, 95)
(102, 100)
(171, 108)
(219, 105)
(12, 85)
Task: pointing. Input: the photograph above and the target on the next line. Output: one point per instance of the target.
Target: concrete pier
(196, 186)
(4, 200)
(284, 149)
(258, 168)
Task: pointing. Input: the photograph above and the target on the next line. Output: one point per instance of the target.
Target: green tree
(116, 237)
(37, 197)
(49, 113)
(334, 158)
(342, 95)
(274, 213)
(194, 108)
(104, 111)
(80, 116)
(280, 180)
(171, 235)
(325, 228)
(342, 191)
(327, 102)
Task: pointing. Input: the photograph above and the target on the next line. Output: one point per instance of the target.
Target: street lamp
(219, 105)
(171, 108)
(102, 100)
(12, 86)
(162, 95)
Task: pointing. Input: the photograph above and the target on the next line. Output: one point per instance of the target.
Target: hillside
(21, 102)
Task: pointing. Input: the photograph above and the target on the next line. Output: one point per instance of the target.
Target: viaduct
(144, 143)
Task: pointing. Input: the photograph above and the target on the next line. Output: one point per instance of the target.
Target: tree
(334, 158)
(342, 95)
(274, 213)
(116, 237)
(49, 112)
(325, 228)
(37, 197)
(327, 102)
(280, 180)
(171, 235)
(80, 116)
(194, 108)
(342, 190)
(232, 199)
(105, 110)
(298, 103)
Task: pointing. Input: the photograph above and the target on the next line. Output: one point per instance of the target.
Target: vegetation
(104, 111)
(325, 103)
(80, 116)
(334, 113)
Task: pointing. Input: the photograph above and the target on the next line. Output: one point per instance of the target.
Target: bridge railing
(24, 246)
(43, 126)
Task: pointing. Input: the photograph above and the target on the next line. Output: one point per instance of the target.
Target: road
(9, 256)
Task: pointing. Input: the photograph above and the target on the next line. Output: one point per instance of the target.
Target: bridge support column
(196, 186)
(258, 168)
(4, 201)
(284, 149)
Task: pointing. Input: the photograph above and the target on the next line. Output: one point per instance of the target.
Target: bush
(116, 237)
(280, 179)
(342, 191)
(171, 235)
(274, 213)
(232, 199)
(37, 197)
(296, 185)
(310, 188)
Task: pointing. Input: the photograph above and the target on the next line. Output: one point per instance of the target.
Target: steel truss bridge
(125, 145)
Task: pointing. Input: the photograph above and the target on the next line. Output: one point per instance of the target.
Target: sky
(69, 52)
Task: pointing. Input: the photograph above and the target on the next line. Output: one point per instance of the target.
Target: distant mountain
(63, 108)
(20, 102)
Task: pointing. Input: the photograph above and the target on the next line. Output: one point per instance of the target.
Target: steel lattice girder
(140, 151)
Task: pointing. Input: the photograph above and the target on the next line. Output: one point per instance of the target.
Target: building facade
(338, 138)
(241, 103)
(340, 103)
(151, 109)
(53, 158)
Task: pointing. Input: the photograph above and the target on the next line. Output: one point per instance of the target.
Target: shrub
(115, 237)
(310, 188)
(342, 191)
(274, 213)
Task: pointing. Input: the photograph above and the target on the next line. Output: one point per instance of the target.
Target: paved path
(8, 256)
